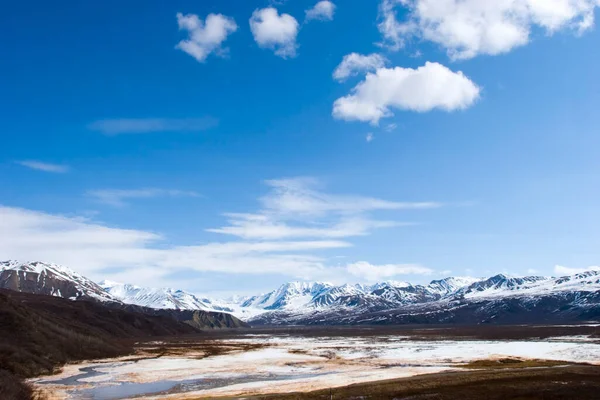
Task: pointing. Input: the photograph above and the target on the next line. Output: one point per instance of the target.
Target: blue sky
(147, 143)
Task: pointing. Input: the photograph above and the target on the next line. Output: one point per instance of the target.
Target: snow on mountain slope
(334, 295)
(320, 302)
(291, 295)
(500, 285)
(588, 281)
(49, 279)
(495, 295)
(447, 286)
(164, 298)
(505, 286)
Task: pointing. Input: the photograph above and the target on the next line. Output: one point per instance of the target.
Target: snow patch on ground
(291, 363)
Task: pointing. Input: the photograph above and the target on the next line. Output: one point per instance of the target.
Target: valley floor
(463, 362)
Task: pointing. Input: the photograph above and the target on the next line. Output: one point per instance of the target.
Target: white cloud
(143, 257)
(205, 37)
(375, 273)
(274, 31)
(298, 197)
(432, 86)
(269, 227)
(121, 126)
(294, 224)
(532, 271)
(391, 29)
(322, 11)
(294, 208)
(354, 63)
(563, 271)
(467, 28)
(370, 137)
(43, 166)
(118, 197)
(390, 127)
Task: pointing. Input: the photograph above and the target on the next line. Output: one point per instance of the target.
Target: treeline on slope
(39, 333)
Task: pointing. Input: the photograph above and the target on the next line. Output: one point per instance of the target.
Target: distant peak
(500, 277)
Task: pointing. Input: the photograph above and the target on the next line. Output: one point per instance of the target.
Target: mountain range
(498, 299)
(56, 280)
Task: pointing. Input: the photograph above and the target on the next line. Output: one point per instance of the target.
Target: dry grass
(503, 363)
(197, 348)
(580, 382)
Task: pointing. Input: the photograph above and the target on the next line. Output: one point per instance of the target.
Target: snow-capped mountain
(447, 286)
(163, 298)
(41, 278)
(500, 285)
(50, 279)
(469, 300)
(505, 286)
(454, 299)
(288, 296)
(316, 298)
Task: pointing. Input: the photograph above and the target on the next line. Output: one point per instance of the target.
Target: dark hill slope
(59, 281)
(199, 319)
(39, 333)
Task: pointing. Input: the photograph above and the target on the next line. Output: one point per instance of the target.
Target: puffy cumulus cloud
(274, 31)
(375, 273)
(44, 166)
(322, 11)
(205, 37)
(467, 28)
(564, 271)
(352, 64)
(119, 197)
(432, 86)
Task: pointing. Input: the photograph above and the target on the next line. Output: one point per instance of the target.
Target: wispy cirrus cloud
(300, 196)
(44, 166)
(295, 208)
(296, 224)
(261, 226)
(120, 197)
(143, 257)
(124, 126)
